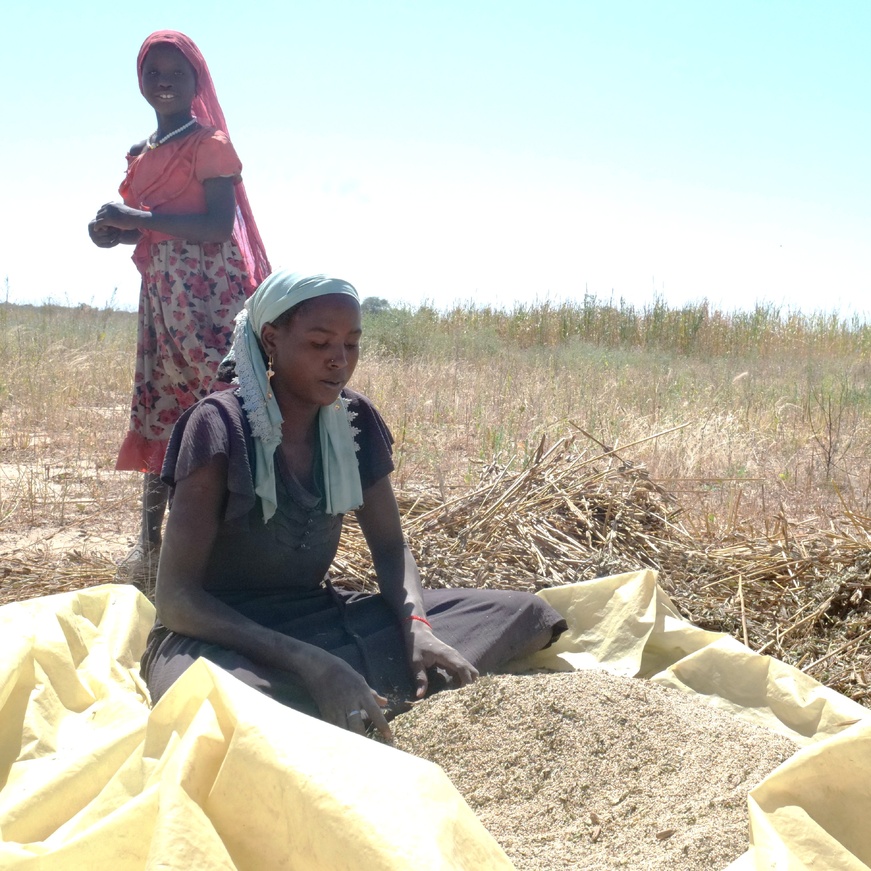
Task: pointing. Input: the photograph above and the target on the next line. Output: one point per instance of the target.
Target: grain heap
(594, 772)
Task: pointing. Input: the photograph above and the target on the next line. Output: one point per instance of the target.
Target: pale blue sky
(495, 152)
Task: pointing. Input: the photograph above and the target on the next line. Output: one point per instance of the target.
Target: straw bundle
(563, 519)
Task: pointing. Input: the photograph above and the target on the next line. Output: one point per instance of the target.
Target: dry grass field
(533, 448)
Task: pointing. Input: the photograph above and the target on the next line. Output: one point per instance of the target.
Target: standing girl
(200, 255)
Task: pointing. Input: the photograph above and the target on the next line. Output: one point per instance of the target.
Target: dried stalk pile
(38, 572)
(802, 596)
(567, 517)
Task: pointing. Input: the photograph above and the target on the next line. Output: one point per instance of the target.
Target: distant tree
(373, 305)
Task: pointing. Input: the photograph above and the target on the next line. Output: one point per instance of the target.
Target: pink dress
(191, 291)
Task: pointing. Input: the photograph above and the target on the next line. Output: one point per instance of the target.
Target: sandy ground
(64, 523)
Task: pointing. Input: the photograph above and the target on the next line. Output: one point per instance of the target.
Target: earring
(269, 373)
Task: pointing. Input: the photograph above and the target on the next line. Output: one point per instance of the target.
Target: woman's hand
(103, 236)
(120, 217)
(343, 697)
(426, 651)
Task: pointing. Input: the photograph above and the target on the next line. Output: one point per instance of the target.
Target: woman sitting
(261, 477)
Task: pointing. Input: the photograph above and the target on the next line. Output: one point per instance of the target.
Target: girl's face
(169, 82)
(315, 354)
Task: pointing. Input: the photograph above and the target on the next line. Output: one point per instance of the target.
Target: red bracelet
(419, 619)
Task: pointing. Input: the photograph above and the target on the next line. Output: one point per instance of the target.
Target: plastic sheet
(217, 776)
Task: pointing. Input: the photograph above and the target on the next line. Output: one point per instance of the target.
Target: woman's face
(169, 82)
(315, 354)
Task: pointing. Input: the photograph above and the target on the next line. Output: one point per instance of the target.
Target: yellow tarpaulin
(217, 776)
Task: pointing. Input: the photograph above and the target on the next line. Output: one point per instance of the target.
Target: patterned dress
(191, 292)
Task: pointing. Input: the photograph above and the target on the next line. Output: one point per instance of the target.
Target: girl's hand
(344, 698)
(103, 236)
(426, 651)
(120, 217)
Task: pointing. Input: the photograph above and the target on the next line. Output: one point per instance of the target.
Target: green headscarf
(280, 291)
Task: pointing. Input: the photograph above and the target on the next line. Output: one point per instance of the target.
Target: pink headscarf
(208, 113)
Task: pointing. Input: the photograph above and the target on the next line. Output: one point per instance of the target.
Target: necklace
(153, 145)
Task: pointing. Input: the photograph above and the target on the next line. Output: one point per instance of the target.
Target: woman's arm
(399, 582)
(215, 225)
(185, 606)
